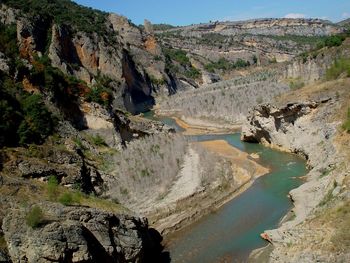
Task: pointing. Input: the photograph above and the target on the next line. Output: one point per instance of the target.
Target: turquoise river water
(233, 231)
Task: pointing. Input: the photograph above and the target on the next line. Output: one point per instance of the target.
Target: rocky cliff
(310, 129)
(71, 152)
(118, 50)
(256, 41)
(79, 235)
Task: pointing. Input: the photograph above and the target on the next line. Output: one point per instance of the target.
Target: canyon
(106, 144)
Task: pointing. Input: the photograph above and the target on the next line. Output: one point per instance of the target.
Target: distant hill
(345, 23)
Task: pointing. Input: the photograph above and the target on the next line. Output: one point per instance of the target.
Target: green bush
(346, 124)
(192, 73)
(295, 84)
(35, 217)
(98, 140)
(8, 40)
(66, 199)
(52, 188)
(64, 12)
(177, 55)
(100, 95)
(334, 41)
(10, 119)
(24, 118)
(225, 65)
(37, 123)
(156, 81)
(340, 66)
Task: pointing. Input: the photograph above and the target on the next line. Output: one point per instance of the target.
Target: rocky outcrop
(99, 122)
(314, 66)
(133, 127)
(279, 27)
(71, 234)
(121, 52)
(69, 167)
(256, 41)
(288, 128)
(308, 129)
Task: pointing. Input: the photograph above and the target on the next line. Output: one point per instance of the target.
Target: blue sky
(185, 12)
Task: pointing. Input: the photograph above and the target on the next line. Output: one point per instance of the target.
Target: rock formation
(309, 129)
(70, 234)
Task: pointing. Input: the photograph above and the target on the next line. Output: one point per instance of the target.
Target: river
(233, 231)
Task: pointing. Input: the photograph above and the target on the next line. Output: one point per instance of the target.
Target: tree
(38, 122)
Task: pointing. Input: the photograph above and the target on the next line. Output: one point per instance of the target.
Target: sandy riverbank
(187, 201)
(238, 159)
(195, 126)
(201, 127)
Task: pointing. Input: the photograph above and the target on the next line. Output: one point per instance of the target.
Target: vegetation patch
(160, 27)
(35, 217)
(99, 94)
(295, 84)
(177, 55)
(24, 118)
(180, 56)
(63, 12)
(339, 67)
(341, 237)
(225, 65)
(52, 188)
(156, 81)
(66, 199)
(37, 124)
(346, 124)
(97, 140)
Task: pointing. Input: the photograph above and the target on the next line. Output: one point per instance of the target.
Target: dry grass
(340, 218)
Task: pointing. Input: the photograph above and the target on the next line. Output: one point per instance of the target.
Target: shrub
(295, 84)
(98, 140)
(78, 142)
(10, 119)
(64, 12)
(35, 217)
(100, 95)
(52, 188)
(177, 55)
(339, 67)
(192, 73)
(156, 81)
(346, 124)
(66, 199)
(38, 122)
(334, 41)
(224, 64)
(8, 40)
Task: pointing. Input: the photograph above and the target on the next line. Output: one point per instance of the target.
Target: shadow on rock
(154, 250)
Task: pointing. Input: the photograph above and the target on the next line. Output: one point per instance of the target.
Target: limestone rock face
(256, 41)
(287, 128)
(70, 234)
(69, 167)
(134, 127)
(122, 52)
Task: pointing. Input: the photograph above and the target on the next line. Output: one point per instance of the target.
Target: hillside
(224, 46)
